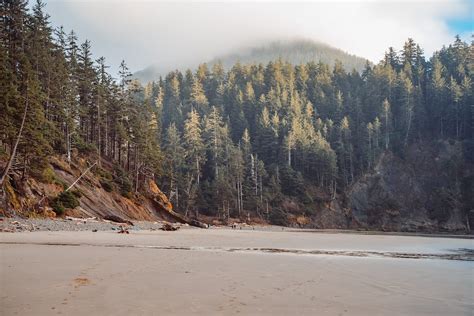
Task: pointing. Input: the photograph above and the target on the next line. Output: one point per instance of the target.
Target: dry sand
(229, 272)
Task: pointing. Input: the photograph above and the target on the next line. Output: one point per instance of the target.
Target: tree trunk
(13, 154)
(289, 154)
(198, 171)
(98, 131)
(68, 144)
(120, 151)
(177, 196)
(351, 166)
(457, 120)
(106, 139)
(128, 156)
(79, 178)
(408, 127)
(137, 170)
(370, 152)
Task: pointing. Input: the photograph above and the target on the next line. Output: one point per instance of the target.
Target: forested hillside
(295, 52)
(285, 142)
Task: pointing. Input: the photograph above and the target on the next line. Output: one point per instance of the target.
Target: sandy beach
(233, 272)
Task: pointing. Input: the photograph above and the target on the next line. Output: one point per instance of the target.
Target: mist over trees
(225, 142)
(294, 51)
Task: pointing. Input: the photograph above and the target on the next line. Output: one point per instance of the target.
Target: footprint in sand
(77, 282)
(81, 282)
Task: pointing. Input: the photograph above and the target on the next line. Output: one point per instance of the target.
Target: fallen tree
(161, 202)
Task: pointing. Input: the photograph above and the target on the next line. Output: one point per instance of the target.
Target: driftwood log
(168, 227)
(117, 219)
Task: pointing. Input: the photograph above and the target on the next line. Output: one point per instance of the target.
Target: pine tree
(455, 94)
(216, 136)
(198, 99)
(370, 140)
(345, 152)
(386, 116)
(195, 156)
(174, 164)
(172, 105)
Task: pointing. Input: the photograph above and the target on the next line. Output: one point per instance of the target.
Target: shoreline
(389, 233)
(17, 224)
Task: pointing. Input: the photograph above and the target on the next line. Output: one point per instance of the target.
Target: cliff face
(97, 193)
(427, 190)
(103, 192)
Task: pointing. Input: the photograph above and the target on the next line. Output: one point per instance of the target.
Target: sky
(181, 33)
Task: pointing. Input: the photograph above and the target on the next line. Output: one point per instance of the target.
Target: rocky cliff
(427, 190)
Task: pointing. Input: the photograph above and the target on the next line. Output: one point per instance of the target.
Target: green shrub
(125, 186)
(66, 199)
(106, 185)
(78, 194)
(278, 217)
(60, 182)
(123, 182)
(48, 175)
(58, 208)
(3, 153)
(127, 194)
(84, 147)
(102, 173)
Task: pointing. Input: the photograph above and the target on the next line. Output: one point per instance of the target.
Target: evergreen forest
(226, 142)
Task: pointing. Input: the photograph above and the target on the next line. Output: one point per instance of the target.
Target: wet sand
(230, 272)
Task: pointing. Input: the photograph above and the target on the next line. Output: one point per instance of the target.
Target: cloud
(181, 33)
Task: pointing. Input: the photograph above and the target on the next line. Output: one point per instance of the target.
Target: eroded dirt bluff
(429, 189)
(96, 198)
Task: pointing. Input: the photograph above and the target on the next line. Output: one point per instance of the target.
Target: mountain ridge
(295, 51)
